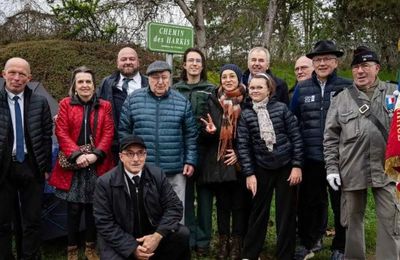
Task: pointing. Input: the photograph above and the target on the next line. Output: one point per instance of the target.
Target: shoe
(72, 252)
(317, 246)
(303, 253)
(337, 255)
(236, 248)
(223, 247)
(90, 251)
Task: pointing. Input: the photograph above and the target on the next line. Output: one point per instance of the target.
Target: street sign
(169, 38)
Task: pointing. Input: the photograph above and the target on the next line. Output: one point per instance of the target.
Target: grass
(56, 249)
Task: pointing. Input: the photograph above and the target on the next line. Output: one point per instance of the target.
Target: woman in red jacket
(82, 119)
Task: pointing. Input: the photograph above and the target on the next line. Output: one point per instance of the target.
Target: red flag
(392, 158)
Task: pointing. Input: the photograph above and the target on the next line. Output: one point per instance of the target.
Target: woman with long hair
(83, 119)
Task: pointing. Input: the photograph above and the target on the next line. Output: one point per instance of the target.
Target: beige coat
(353, 146)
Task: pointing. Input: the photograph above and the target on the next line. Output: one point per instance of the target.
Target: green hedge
(52, 61)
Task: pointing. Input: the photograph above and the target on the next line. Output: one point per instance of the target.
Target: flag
(392, 158)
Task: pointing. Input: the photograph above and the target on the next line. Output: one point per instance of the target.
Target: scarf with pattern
(267, 132)
(230, 102)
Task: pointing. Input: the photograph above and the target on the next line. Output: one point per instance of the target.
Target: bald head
(19, 61)
(303, 68)
(17, 73)
(128, 62)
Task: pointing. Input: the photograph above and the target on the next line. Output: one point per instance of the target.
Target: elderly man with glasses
(137, 213)
(355, 140)
(310, 103)
(163, 118)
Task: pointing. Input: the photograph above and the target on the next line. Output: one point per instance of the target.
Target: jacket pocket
(396, 221)
(350, 126)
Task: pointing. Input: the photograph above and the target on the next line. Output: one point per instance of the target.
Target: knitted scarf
(267, 132)
(230, 103)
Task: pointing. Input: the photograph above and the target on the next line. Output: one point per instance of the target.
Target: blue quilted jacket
(166, 125)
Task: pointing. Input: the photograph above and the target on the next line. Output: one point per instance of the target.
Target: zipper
(138, 207)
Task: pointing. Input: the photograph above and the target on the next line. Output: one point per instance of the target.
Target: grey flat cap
(158, 66)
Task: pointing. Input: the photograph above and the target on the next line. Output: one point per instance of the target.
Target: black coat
(310, 107)
(209, 169)
(38, 128)
(113, 211)
(252, 149)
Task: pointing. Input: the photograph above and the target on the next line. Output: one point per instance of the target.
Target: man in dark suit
(116, 87)
(25, 157)
(136, 210)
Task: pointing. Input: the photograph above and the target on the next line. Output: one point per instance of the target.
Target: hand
(230, 156)
(210, 127)
(140, 253)
(82, 161)
(92, 158)
(251, 184)
(188, 170)
(295, 176)
(150, 242)
(334, 180)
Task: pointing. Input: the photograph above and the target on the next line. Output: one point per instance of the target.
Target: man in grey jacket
(355, 136)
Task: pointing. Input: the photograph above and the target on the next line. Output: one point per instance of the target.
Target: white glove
(334, 180)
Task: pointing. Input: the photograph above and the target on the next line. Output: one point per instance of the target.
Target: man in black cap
(163, 118)
(310, 103)
(355, 135)
(137, 213)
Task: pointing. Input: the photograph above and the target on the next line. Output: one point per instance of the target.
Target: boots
(223, 247)
(90, 251)
(236, 248)
(72, 252)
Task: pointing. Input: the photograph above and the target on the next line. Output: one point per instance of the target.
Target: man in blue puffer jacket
(164, 119)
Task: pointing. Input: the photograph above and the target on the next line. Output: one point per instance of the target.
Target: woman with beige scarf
(270, 152)
(221, 170)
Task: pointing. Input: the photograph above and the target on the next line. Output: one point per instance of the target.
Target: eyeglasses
(364, 66)
(323, 59)
(191, 60)
(157, 78)
(131, 155)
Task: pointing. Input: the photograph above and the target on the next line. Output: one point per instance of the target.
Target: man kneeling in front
(137, 212)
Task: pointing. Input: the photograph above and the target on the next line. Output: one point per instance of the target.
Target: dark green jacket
(197, 94)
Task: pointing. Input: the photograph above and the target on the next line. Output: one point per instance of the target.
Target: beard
(129, 71)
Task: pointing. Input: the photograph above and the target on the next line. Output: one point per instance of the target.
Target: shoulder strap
(364, 109)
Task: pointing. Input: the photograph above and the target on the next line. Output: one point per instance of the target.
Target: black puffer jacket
(114, 213)
(252, 150)
(38, 126)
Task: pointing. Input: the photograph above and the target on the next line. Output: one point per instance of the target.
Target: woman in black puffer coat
(270, 152)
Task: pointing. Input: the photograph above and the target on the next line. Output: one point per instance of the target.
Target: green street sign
(169, 38)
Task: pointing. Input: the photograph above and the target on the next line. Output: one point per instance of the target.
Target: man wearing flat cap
(137, 213)
(310, 103)
(355, 140)
(163, 118)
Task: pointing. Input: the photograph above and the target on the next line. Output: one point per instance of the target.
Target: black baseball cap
(130, 140)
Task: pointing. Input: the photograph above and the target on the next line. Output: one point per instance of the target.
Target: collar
(11, 95)
(131, 175)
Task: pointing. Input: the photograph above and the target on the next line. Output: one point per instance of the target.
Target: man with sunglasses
(310, 103)
(137, 212)
(356, 131)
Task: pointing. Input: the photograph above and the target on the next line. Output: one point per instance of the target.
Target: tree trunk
(269, 23)
(196, 19)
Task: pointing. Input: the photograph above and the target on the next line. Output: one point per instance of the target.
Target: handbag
(86, 149)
